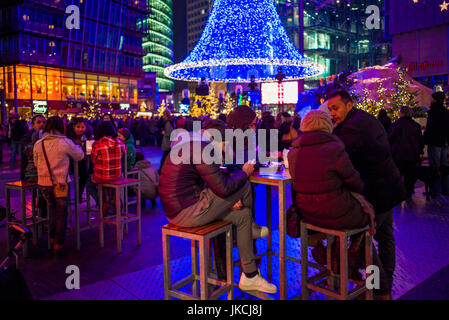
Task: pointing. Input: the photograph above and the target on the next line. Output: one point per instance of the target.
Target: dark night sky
(180, 30)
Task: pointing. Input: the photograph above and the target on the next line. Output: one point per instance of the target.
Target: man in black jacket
(436, 137)
(366, 143)
(194, 193)
(407, 146)
(18, 129)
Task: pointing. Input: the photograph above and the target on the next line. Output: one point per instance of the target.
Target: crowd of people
(349, 170)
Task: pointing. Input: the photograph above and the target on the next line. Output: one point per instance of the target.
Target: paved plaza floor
(421, 230)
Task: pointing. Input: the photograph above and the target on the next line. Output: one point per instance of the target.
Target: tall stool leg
(331, 276)
(33, 215)
(229, 263)
(118, 220)
(24, 215)
(204, 269)
(193, 253)
(48, 226)
(139, 215)
(344, 266)
(368, 260)
(8, 216)
(126, 207)
(100, 215)
(166, 261)
(269, 238)
(304, 263)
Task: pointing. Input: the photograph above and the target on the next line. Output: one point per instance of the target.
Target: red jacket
(107, 154)
(323, 178)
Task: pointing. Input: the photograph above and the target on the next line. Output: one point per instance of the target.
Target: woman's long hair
(54, 124)
(105, 129)
(70, 133)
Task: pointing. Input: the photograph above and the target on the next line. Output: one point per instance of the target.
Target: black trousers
(408, 170)
(58, 214)
(386, 244)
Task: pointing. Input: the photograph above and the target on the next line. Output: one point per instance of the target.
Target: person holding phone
(194, 195)
(76, 131)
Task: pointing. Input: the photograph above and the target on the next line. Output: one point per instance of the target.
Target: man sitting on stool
(194, 194)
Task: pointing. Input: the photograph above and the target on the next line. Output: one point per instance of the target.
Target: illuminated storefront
(41, 59)
(64, 90)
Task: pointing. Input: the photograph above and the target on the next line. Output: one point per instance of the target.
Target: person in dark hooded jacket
(407, 146)
(436, 137)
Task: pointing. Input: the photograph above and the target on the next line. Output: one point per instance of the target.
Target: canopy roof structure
(243, 38)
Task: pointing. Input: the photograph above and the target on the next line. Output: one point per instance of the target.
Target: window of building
(53, 84)
(39, 83)
(68, 92)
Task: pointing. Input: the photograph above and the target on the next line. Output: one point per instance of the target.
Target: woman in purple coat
(328, 189)
(324, 177)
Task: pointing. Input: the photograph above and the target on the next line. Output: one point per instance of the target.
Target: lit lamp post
(280, 76)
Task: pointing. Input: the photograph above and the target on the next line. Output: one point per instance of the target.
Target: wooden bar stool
(317, 282)
(199, 237)
(133, 174)
(120, 187)
(34, 220)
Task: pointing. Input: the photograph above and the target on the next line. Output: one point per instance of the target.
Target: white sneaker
(256, 283)
(259, 231)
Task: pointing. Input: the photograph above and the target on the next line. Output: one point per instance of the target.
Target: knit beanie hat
(316, 120)
(125, 133)
(240, 118)
(215, 124)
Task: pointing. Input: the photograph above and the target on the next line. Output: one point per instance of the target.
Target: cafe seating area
(138, 273)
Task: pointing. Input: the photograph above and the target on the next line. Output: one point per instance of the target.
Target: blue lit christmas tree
(243, 38)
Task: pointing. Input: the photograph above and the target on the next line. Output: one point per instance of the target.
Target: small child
(149, 179)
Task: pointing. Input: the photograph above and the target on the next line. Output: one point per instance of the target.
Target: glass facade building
(41, 58)
(158, 41)
(335, 34)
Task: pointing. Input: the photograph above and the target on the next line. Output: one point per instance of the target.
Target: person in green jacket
(125, 135)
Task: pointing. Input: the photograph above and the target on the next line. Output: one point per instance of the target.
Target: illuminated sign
(124, 106)
(275, 93)
(414, 66)
(39, 106)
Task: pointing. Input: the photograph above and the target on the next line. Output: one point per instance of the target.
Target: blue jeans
(438, 159)
(16, 148)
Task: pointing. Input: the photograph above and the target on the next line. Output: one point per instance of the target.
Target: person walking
(3, 139)
(384, 119)
(436, 137)
(407, 146)
(18, 130)
(52, 156)
(367, 145)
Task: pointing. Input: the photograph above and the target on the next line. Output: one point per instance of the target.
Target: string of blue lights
(243, 38)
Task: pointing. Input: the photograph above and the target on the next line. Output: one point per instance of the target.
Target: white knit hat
(317, 120)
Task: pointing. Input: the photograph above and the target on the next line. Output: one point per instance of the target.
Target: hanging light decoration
(243, 38)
